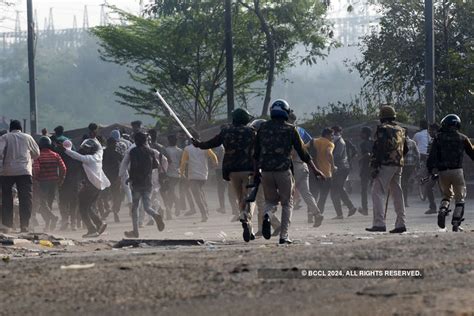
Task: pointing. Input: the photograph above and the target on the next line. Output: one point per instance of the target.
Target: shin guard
(458, 216)
(442, 213)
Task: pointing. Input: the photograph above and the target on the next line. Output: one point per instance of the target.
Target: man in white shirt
(95, 181)
(423, 140)
(196, 162)
(17, 152)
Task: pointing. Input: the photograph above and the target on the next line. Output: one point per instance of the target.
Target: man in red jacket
(49, 170)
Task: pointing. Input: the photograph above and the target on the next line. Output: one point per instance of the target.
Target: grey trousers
(261, 211)
(278, 186)
(388, 182)
(197, 189)
(302, 185)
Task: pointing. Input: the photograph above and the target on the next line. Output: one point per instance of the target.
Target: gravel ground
(224, 279)
(222, 275)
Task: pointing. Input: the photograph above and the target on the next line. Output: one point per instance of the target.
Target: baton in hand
(173, 115)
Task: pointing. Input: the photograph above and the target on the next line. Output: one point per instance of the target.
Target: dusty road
(222, 276)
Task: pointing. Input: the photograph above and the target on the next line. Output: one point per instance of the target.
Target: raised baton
(173, 115)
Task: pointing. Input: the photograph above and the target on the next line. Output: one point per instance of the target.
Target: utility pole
(229, 55)
(31, 67)
(429, 63)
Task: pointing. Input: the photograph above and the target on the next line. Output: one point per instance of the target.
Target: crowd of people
(94, 180)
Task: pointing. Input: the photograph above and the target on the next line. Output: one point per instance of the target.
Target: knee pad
(444, 204)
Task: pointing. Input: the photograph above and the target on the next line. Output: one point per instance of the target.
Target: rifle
(252, 195)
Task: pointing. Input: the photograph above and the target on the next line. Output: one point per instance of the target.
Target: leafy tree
(285, 24)
(393, 57)
(180, 51)
(178, 46)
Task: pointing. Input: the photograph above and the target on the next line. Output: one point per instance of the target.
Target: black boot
(285, 241)
(247, 231)
(266, 227)
(376, 229)
(398, 230)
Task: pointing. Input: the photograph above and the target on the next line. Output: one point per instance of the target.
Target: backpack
(390, 140)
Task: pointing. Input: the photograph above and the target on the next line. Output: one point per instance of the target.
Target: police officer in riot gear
(238, 140)
(274, 144)
(446, 156)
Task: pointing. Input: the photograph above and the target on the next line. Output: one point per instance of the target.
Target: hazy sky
(314, 83)
(63, 12)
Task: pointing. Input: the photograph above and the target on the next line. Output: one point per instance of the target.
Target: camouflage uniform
(446, 155)
(237, 164)
(387, 162)
(275, 142)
